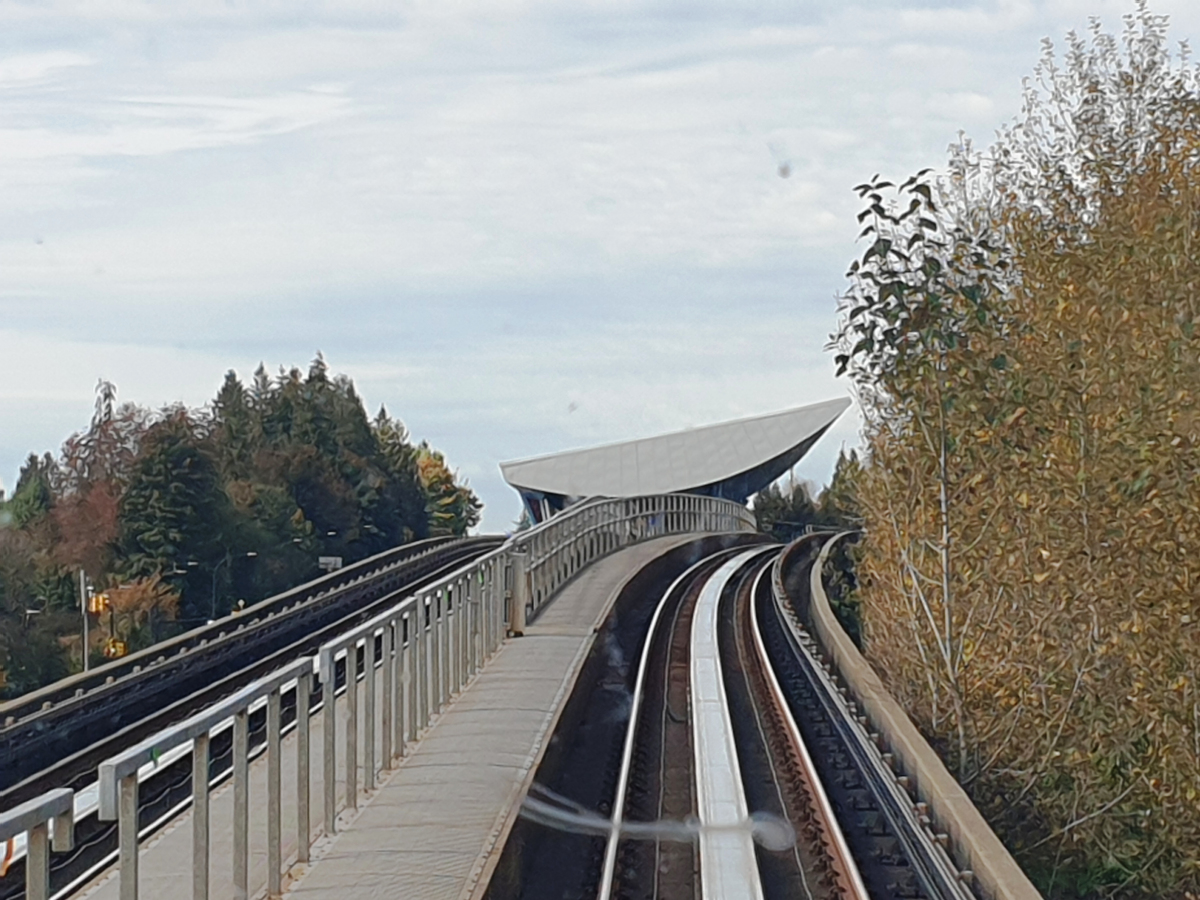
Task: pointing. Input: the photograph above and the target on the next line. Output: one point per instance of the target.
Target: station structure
(731, 460)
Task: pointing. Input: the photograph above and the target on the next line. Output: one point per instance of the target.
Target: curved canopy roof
(678, 462)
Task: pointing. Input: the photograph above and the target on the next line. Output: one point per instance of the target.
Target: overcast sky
(524, 226)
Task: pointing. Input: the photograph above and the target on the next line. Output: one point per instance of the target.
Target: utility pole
(212, 609)
(83, 608)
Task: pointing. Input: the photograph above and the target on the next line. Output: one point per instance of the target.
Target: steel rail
(835, 840)
(618, 827)
(728, 864)
(618, 806)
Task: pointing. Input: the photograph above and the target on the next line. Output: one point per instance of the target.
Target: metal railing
(425, 649)
(33, 819)
(430, 645)
(119, 782)
(561, 546)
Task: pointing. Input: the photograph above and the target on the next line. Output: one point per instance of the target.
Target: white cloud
(484, 212)
(23, 68)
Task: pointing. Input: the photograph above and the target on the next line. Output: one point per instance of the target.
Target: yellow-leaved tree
(1022, 338)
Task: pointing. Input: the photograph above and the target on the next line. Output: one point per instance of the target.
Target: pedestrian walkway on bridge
(434, 828)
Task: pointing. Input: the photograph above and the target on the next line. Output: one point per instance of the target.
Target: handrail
(430, 644)
(118, 777)
(33, 818)
(600, 527)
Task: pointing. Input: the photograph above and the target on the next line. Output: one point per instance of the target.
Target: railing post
(421, 665)
(432, 659)
(329, 739)
(461, 604)
(352, 726)
(443, 648)
(474, 596)
(52, 810)
(369, 712)
(274, 795)
(520, 592)
(241, 805)
(451, 640)
(487, 596)
(410, 676)
(200, 817)
(451, 615)
(397, 663)
(385, 648)
(128, 837)
(303, 831)
(37, 862)
(499, 609)
(462, 593)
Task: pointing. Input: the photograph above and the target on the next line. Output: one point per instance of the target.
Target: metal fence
(119, 781)
(561, 546)
(33, 819)
(425, 650)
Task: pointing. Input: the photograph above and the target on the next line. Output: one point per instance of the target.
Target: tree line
(181, 515)
(1020, 332)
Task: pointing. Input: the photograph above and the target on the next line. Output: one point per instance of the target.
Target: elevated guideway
(424, 759)
(434, 825)
(442, 714)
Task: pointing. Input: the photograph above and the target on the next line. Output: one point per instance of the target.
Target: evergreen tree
(235, 501)
(237, 431)
(452, 508)
(784, 515)
(33, 497)
(405, 495)
(173, 509)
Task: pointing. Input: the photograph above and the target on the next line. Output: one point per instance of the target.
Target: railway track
(746, 773)
(897, 856)
(51, 752)
(777, 768)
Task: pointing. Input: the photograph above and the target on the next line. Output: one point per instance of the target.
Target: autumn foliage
(1029, 364)
(179, 514)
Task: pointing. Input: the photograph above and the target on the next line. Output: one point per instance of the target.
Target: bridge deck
(435, 827)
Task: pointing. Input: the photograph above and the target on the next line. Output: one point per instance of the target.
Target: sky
(522, 226)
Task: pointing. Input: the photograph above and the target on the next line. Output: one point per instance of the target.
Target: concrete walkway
(435, 827)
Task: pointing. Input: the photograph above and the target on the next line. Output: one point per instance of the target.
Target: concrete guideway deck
(436, 826)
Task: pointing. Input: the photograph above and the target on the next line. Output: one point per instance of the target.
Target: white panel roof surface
(681, 461)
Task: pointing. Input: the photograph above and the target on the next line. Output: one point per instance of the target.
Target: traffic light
(98, 603)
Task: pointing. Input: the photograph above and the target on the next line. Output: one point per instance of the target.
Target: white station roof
(669, 463)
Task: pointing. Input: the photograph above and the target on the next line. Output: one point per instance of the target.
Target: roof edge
(845, 403)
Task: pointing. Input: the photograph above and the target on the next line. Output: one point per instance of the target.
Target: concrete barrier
(976, 847)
